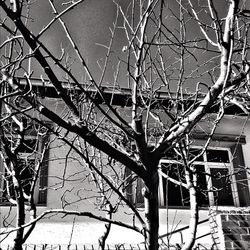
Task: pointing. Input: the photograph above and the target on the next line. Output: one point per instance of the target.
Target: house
(223, 168)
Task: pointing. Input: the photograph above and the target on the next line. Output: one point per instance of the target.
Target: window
(221, 179)
(172, 189)
(133, 189)
(29, 155)
(216, 181)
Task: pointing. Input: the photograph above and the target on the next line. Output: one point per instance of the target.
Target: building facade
(63, 183)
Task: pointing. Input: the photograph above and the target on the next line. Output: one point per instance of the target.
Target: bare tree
(194, 54)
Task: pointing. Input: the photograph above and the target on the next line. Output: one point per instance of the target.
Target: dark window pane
(202, 194)
(177, 195)
(221, 182)
(29, 146)
(174, 194)
(139, 187)
(193, 152)
(171, 155)
(217, 156)
(133, 188)
(128, 185)
(27, 173)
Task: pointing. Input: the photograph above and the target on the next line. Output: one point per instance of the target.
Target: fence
(77, 247)
(96, 247)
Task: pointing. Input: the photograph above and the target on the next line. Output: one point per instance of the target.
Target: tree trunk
(103, 238)
(194, 217)
(32, 213)
(152, 212)
(18, 241)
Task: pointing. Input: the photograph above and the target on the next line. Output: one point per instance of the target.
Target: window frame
(207, 165)
(40, 190)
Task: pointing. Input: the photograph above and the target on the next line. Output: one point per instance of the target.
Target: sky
(89, 25)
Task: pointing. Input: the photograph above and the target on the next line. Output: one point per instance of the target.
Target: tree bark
(18, 241)
(194, 217)
(152, 212)
(103, 238)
